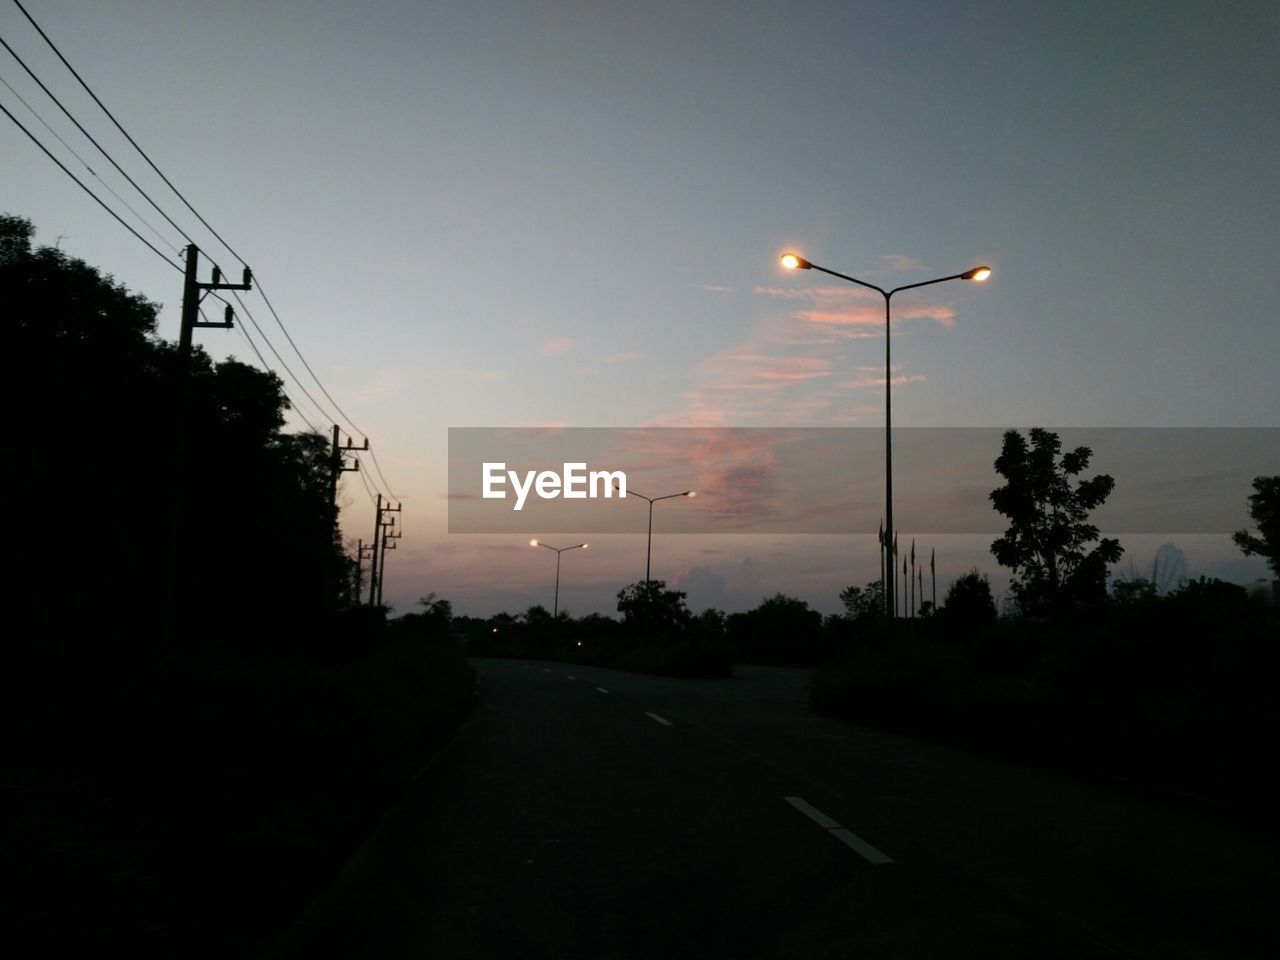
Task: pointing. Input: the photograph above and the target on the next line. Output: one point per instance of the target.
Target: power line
(244, 334)
(342, 413)
(276, 353)
(280, 323)
(102, 150)
(366, 487)
(89, 91)
(163, 239)
(207, 225)
(82, 186)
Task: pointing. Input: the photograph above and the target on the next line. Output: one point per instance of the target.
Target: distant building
(1265, 593)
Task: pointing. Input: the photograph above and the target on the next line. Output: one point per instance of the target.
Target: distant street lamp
(555, 612)
(648, 554)
(794, 261)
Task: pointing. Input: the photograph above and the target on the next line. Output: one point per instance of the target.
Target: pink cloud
(854, 306)
(555, 347)
(865, 316)
(901, 262)
(898, 381)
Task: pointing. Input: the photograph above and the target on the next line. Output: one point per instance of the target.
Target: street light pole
(648, 554)
(555, 610)
(795, 262)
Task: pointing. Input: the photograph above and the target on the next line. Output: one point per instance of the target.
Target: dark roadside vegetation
(184, 770)
(1174, 688)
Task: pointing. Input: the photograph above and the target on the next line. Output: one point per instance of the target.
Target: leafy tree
(537, 615)
(104, 403)
(1050, 544)
(781, 629)
(648, 605)
(863, 604)
(969, 601)
(1209, 596)
(1135, 590)
(1264, 508)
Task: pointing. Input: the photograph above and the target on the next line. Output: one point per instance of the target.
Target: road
(588, 813)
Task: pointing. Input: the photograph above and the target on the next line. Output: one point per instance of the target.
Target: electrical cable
(158, 171)
(162, 238)
(102, 150)
(82, 186)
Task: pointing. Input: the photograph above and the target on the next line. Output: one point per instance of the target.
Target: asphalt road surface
(586, 813)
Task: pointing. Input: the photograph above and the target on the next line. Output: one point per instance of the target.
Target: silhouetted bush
(1177, 689)
(968, 603)
(781, 630)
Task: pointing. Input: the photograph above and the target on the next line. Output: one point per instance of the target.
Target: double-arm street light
(795, 262)
(555, 610)
(648, 554)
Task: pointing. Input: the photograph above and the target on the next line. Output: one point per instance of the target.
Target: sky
(570, 214)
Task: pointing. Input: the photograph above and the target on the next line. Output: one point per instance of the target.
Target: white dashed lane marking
(847, 837)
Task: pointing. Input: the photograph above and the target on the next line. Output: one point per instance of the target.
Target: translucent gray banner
(832, 480)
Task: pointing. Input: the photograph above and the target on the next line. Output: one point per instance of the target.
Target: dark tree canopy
(1264, 508)
(102, 404)
(1050, 543)
(863, 604)
(969, 601)
(649, 605)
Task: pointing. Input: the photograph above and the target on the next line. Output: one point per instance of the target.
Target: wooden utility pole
(388, 543)
(362, 550)
(380, 527)
(373, 563)
(193, 292)
(338, 465)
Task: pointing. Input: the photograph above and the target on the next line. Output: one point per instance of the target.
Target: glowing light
(977, 273)
(533, 543)
(692, 493)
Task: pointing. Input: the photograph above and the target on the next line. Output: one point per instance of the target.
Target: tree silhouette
(99, 398)
(1048, 541)
(1264, 508)
(969, 601)
(863, 604)
(648, 605)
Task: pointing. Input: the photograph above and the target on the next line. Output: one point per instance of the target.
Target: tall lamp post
(793, 261)
(555, 611)
(648, 553)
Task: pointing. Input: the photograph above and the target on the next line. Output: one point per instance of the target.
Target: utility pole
(380, 527)
(192, 296)
(193, 292)
(338, 465)
(362, 550)
(388, 543)
(373, 562)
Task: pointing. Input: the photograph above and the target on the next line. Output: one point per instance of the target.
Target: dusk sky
(561, 213)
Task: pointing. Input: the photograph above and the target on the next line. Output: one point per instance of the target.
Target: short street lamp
(794, 261)
(555, 612)
(648, 554)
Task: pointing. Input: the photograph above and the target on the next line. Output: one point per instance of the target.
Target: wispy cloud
(555, 347)
(854, 306)
(901, 263)
(863, 382)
